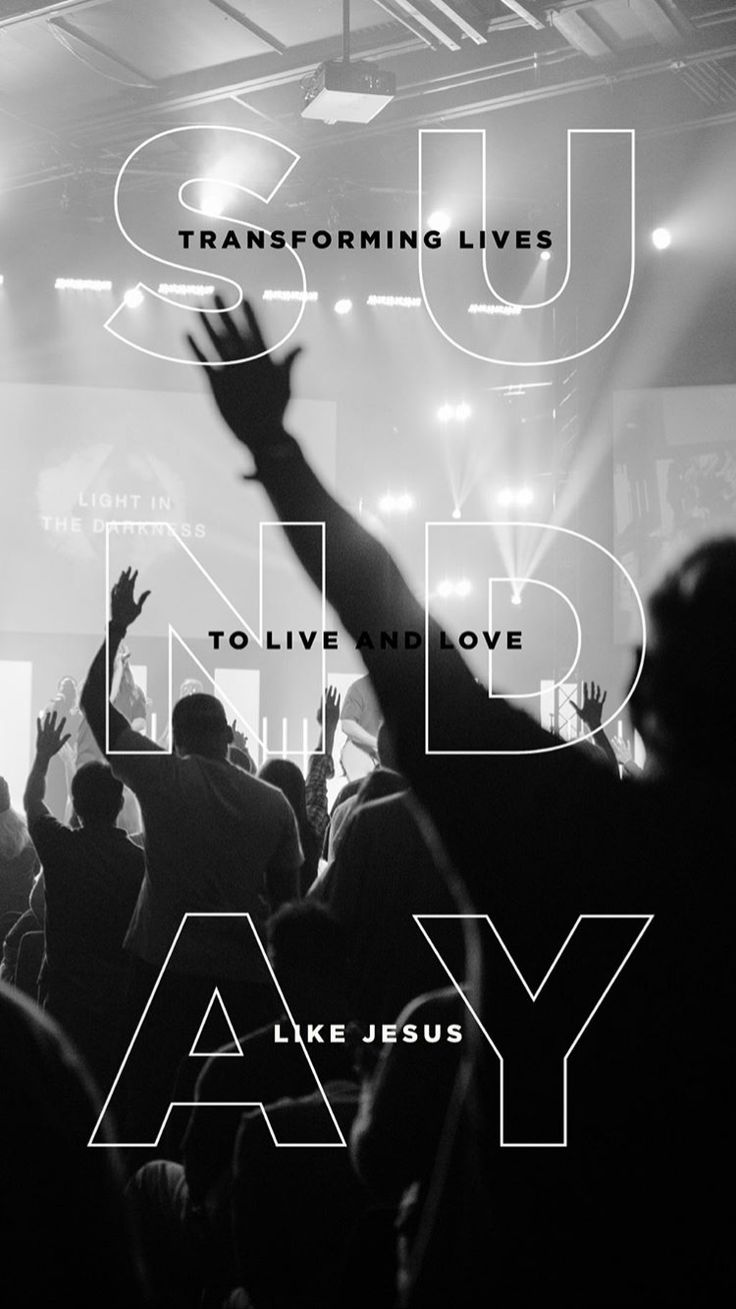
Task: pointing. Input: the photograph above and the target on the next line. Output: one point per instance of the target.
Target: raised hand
(331, 718)
(50, 737)
(251, 389)
(622, 750)
(124, 608)
(240, 740)
(591, 710)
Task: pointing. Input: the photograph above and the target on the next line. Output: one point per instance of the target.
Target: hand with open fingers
(50, 736)
(622, 750)
(240, 740)
(591, 710)
(251, 388)
(124, 608)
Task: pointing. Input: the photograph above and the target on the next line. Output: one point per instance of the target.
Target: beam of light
(661, 238)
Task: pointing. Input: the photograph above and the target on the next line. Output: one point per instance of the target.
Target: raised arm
(364, 585)
(50, 738)
(124, 609)
(590, 714)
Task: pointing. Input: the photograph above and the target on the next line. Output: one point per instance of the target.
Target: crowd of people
(465, 1033)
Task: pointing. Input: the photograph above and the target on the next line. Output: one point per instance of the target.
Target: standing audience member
(65, 1231)
(18, 861)
(543, 845)
(92, 876)
(219, 844)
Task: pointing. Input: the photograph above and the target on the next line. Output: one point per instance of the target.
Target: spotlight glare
(133, 297)
(343, 306)
(396, 504)
(212, 203)
(185, 288)
(438, 221)
(505, 498)
(546, 255)
(81, 284)
(661, 238)
(463, 587)
(272, 293)
(456, 513)
(394, 301)
(463, 412)
(445, 588)
(524, 496)
(444, 413)
(516, 599)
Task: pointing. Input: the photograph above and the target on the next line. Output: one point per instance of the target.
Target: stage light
(521, 496)
(661, 238)
(502, 311)
(458, 589)
(545, 255)
(516, 599)
(343, 306)
(394, 301)
(456, 513)
(270, 294)
(133, 297)
(438, 221)
(396, 504)
(81, 284)
(212, 203)
(454, 413)
(185, 288)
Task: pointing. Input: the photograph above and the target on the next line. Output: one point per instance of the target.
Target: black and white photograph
(367, 639)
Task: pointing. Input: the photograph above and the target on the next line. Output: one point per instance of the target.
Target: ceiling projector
(348, 92)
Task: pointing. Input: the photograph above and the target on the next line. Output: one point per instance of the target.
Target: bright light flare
(396, 504)
(439, 220)
(133, 297)
(661, 238)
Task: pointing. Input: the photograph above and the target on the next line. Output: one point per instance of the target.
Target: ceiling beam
(460, 21)
(574, 26)
(231, 12)
(522, 12)
(660, 21)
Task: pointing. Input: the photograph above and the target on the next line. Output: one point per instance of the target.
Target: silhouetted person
(92, 877)
(18, 861)
(218, 842)
(627, 1210)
